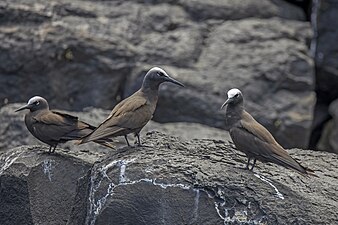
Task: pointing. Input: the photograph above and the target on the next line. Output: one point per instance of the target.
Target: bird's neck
(149, 84)
(233, 114)
(150, 92)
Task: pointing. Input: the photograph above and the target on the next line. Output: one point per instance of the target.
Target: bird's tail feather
(294, 165)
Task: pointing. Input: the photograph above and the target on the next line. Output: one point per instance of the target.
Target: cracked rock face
(38, 188)
(168, 181)
(87, 53)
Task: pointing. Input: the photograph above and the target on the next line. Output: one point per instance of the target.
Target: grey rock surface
(230, 10)
(331, 134)
(38, 188)
(169, 181)
(326, 57)
(87, 53)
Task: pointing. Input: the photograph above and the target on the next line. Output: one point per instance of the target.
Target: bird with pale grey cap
(133, 113)
(253, 139)
(52, 127)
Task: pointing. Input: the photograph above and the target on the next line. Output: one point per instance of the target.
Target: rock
(38, 188)
(188, 131)
(15, 205)
(230, 10)
(326, 49)
(323, 143)
(277, 82)
(170, 181)
(87, 53)
(329, 136)
(13, 131)
(321, 117)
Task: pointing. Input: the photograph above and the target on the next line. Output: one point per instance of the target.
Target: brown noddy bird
(253, 139)
(134, 112)
(53, 127)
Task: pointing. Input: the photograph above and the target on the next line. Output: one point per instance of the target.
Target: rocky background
(85, 56)
(81, 53)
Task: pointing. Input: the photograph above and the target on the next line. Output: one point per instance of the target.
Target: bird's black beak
(172, 80)
(22, 108)
(225, 103)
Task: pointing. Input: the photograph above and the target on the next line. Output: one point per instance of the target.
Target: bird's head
(156, 76)
(234, 97)
(34, 104)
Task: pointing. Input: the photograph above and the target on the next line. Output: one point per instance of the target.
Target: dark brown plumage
(134, 112)
(53, 127)
(253, 139)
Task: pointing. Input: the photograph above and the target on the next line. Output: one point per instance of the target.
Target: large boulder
(168, 181)
(38, 188)
(88, 53)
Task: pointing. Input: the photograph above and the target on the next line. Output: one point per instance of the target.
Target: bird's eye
(160, 74)
(236, 95)
(36, 103)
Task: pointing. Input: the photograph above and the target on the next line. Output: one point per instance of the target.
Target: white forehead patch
(233, 92)
(158, 69)
(34, 99)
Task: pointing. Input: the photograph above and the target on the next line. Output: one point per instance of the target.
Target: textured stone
(44, 185)
(169, 181)
(232, 10)
(87, 53)
(329, 136)
(326, 56)
(267, 60)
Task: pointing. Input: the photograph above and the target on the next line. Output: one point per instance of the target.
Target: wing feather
(131, 114)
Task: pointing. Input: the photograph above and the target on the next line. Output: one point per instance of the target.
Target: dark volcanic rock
(329, 138)
(14, 201)
(277, 81)
(38, 188)
(234, 10)
(326, 56)
(82, 53)
(334, 134)
(169, 181)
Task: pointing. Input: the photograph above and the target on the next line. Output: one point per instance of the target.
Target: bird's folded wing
(263, 150)
(129, 116)
(71, 120)
(50, 132)
(252, 126)
(130, 104)
(60, 126)
(58, 119)
(70, 117)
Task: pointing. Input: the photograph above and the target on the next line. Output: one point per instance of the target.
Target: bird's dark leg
(253, 165)
(50, 149)
(125, 136)
(138, 139)
(54, 148)
(248, 163)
